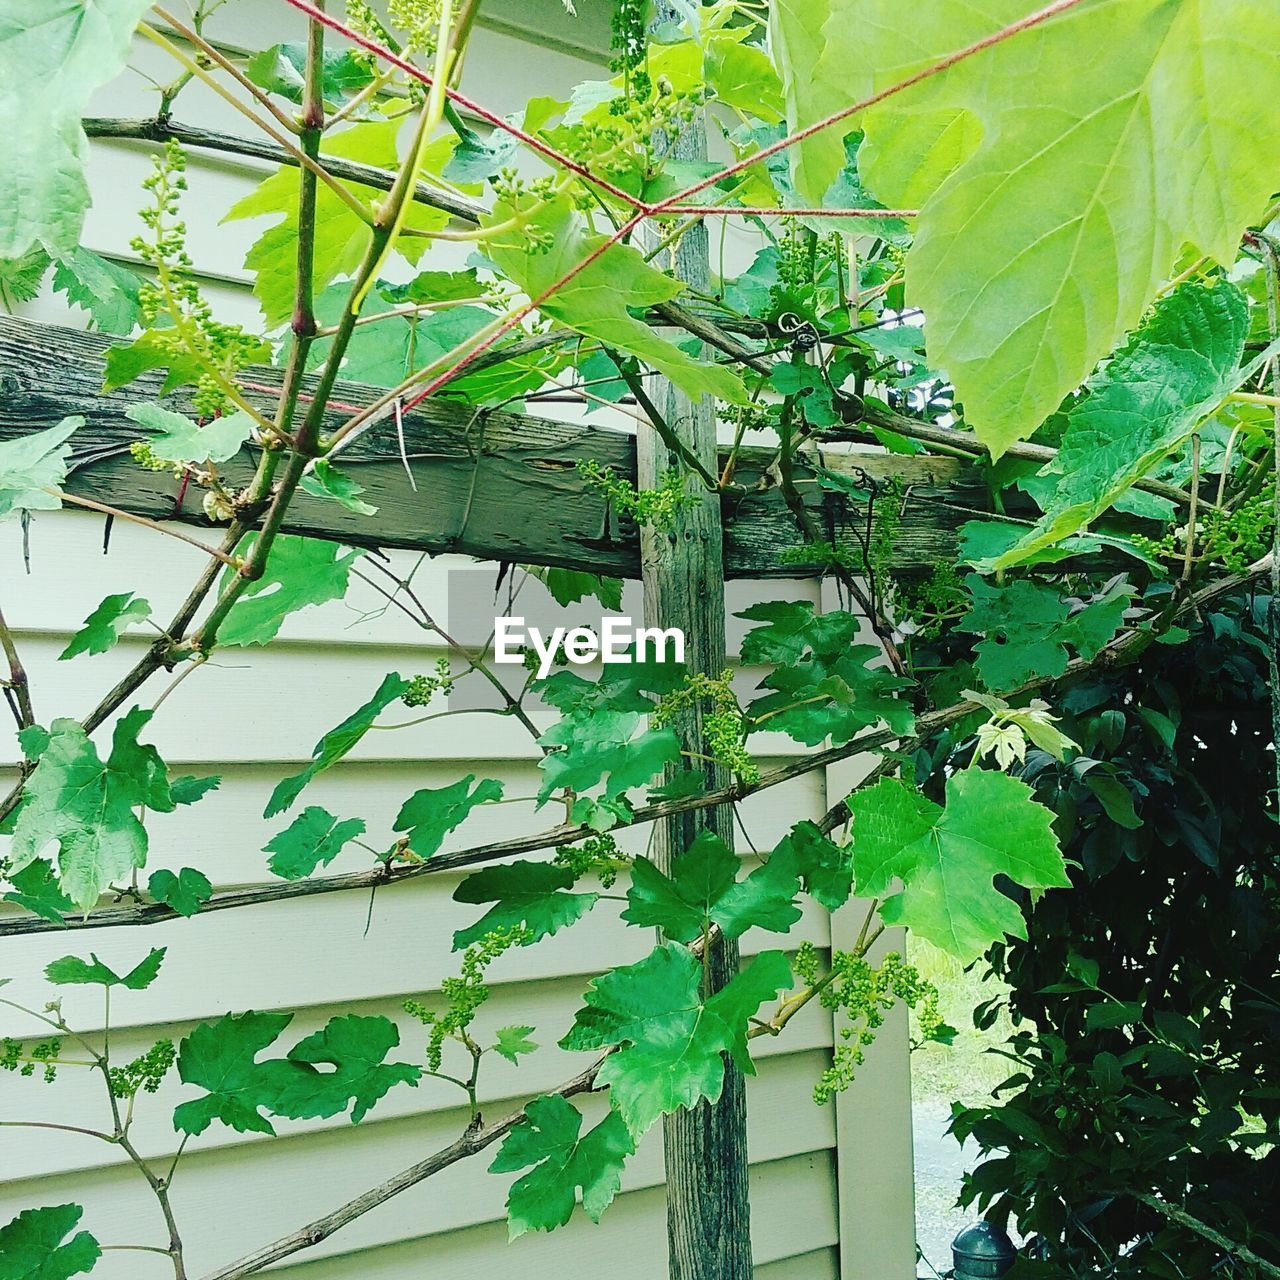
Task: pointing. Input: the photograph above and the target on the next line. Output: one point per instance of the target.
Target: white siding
(831, 1190)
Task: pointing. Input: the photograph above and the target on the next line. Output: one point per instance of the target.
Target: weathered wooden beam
(497, 485)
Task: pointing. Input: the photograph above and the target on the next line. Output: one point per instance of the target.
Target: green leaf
(34, 1245)
(1057, 192)
(341, 238)
(1027, 627)
(155, 349)
(221, 1058)
(475, 158)
(703, 889)
(32, 464)
(568, 586)
(188, 789)
(430, 814)
(533, 895)
(87, 806)
(51, 62)
(106, 290)
(299, 572)
(826, 869)
(282, 69)
(21, 278)
(336, 743)
(670, 1040)
(176, 438)
(72, 971)
(825, 685)
(324, 480)
(313, 839)
(948, 857)
(1141, 406)
(597, 299)
(512, 1042)
(356, 1048)
(35, 888)
(1115, 799)
(106, 624)
(548, 1139)
(185, 892)
(605, 749)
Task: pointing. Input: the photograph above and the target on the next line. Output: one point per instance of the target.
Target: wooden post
(708, 1212)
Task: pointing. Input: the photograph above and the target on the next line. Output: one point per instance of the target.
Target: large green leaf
(610, 747)
(313, 839)
(430, 814)
(1061, 171)
(87, 806)
(555, 240)
(52, 57)
(532, 895)
(186, 891)
(825, 685)
(1140, 407)
(341, 238)
(947, 858)
(1027, 627)
(703, 889)
(336, 743)
(671, 1040)
(177, 438)
(548, 1138)
(34, 1245)
(107, 291)
(299, 572)
(31, 465)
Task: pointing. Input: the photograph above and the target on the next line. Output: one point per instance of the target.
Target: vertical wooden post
(708, 1213)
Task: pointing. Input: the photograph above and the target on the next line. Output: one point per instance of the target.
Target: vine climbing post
(708, 1213)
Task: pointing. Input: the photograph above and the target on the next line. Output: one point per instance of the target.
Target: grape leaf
(299, 572)
(313, 839)
(604, 748)
(341, 238)
(72, 971)
(1027, 628)
(87, 806)
(355, 1047)
(826, 686)
(21, 278)
(704, 888)
(563, 1162)
(282, 69)
(1057, 191)
(50, 65)
(554, 239)
(336, 743)
(826, 870)
(221, 1058)
(948, 857)
(324, 480)
(1141, 406)
(670, 1039)
(189, 789)
(176, 438)
(156, 349)
(106, 290)
(511, 1042)
(35, 888)
(34, 1245)
(106, 624)
(185, 892)
(430, 814)
(30, 465)
(529, 894)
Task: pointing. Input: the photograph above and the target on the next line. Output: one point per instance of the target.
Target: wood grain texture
(491, 484)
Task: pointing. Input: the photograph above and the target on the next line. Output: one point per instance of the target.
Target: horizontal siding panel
(292, 1180)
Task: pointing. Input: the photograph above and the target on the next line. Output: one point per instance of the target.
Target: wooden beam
(491, 484)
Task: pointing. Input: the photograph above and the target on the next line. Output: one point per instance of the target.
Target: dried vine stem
(1123, 646)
